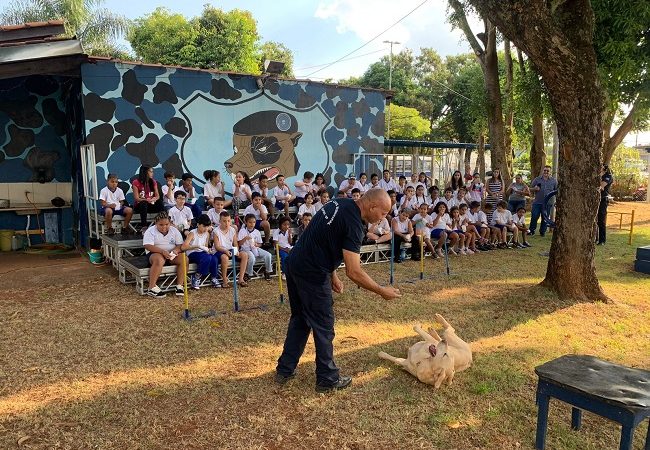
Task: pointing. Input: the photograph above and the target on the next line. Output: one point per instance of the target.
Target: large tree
(558, 39)
(97, 28)
(486, 53)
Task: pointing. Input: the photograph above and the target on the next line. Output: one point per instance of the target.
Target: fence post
(620, 223)
(629, 242)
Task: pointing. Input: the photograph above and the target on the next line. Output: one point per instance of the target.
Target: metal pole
(279, 271)
(235, 293)
(392, 252)
(629, 242)
(390, 79)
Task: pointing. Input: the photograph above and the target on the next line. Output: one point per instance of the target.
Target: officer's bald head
(374, 205)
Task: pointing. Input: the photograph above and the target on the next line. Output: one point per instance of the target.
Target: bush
(626, 165)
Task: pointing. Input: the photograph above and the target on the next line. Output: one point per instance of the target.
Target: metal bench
(118, 222)
(616, 392)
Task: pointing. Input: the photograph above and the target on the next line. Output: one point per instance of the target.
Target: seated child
(324, 198)
(378, 232)
(197, 247)
(402, 232)
(501, 223)
(225, 245)
(282, 238)
(486, 215)
(307, 207)
(192, 196)
(303, 187)
(423, 223)
(442, 228)
(356, 194)
(113, 204)
(257, 209)
(519, 220)
(168, 190)
(262, 187)
(282, 194)
(250, 242)
(394, 205)
(180, 215)
(468, 228)
(213, 188)
(162, 244)
(304, 223)
(408, 200)
(456, 227)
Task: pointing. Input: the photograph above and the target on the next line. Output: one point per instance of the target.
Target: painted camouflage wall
(33, 130)
(183, 120)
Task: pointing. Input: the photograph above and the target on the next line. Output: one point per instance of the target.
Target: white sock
(179, 286)
(155, 289)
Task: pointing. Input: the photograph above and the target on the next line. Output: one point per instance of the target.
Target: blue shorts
(116, 212)
(258, 224)
(279, 204)
(499, 226)
(459, 231)
(437, 233)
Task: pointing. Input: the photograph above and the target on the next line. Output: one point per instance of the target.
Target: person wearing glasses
(541, 186)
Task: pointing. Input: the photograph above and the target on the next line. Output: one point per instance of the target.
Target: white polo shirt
(282, 238)
(166, 200)
(248, 245)
(165, 242)
(112, 198)
(303, 190)
(250, 209)
(180, 216)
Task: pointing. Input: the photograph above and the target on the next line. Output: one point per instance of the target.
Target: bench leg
(542, 421)
(627, 437)
(647, 438)
(576, 418)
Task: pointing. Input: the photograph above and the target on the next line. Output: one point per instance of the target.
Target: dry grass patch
(93, 365)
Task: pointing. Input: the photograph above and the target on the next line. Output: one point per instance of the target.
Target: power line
(368, 42)
(348, 59)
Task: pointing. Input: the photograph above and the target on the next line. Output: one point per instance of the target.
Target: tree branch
(621, 132)
(467, 30)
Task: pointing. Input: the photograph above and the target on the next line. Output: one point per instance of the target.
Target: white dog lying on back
(435, 360)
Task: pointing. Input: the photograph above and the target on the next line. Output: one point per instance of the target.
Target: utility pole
(390, 78)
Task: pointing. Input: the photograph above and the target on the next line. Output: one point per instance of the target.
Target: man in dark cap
(333, 236)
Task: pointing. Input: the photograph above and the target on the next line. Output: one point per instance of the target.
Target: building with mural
(54, 99)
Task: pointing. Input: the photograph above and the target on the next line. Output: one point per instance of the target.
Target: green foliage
(406, 123)
(220, 40)
(626, 165)
(96, 28)
(276, 51)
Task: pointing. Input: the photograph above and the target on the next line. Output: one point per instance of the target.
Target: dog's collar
(433, 350)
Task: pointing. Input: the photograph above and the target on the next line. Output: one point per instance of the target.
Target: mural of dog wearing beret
(435, 360)
(264, 143)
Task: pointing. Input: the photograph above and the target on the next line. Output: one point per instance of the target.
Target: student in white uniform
(112, 198)
(261, 214)
(169, 189)
(501, 223)
(348, 185)
(423, 224)
(197, 247)
(180, 215)
(303, 187)
(402, 232)
(162, 244)
(250, 241)
(519, 220)
(225, 245)
(307, 207)
(442, 229)
(387, 183)
(283, 239)
(213, 188)
(282, 194)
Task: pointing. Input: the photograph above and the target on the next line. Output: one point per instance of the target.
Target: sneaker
(215, 282)
(531, 232)
(284, 277)
(267, 275)
(469, 251)
(463, 252)
(196, 281)
(341, 383)
(156, 292)
(283, 379)
(527, 244)
(179, 290)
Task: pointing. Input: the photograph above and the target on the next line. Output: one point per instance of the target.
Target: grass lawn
(93, 365)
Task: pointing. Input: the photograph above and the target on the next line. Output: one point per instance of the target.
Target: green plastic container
(5, 240)
(96, 257)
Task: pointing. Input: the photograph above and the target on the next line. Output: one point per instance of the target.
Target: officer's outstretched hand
(389, 292)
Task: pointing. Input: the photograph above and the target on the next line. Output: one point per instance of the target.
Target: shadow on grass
(491, 405)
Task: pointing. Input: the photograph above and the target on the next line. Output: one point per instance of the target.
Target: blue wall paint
(184, 121)
(33, 129)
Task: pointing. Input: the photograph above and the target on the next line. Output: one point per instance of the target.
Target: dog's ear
(295, 137)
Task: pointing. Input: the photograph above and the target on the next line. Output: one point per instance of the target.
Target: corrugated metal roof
(30, 25)
(40, 50)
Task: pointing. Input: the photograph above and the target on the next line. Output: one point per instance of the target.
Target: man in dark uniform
(333, 236)
(606, 180)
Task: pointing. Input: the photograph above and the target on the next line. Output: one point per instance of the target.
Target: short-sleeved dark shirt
(337, 226)
(609, 179)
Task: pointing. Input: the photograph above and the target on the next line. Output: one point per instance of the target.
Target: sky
(322, 31)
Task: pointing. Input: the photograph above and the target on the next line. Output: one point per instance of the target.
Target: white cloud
(426, 27)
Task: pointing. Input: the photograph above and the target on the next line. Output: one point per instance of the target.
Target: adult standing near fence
(606, 180)
(541, 186)
(333, 236)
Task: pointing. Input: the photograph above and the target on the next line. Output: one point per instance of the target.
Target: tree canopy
(406, 123)
(96, 28)
(216, 39)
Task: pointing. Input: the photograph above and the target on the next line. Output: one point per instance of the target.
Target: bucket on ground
(5, 240)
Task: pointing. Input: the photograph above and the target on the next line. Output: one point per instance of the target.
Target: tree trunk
(509, 112)
(468, 160)
(461, 159)
(480, 156)
(537, 150)
(498, 157)
(488, 59)
(557, 37)
(610, 143)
